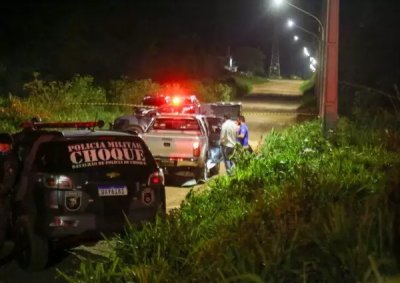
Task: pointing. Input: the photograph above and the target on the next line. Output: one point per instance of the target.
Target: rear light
(57, 182)
(60, 221)
(196, 149)
(156, 178)
(5, 147)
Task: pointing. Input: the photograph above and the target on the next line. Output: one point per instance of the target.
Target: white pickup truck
(180, 142)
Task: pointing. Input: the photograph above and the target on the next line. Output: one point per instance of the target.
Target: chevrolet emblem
(112, 175)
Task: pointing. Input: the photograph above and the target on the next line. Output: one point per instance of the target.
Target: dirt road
(270, 105)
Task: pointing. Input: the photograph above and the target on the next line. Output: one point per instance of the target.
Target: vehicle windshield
(176, 124)
(94, 154)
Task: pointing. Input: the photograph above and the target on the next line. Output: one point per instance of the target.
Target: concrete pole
(330, 97)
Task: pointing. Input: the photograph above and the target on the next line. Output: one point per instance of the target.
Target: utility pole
(274, 67)
(329, 104)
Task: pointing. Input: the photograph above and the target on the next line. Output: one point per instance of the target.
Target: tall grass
(308, 85)
(303, 209)
(80, 99)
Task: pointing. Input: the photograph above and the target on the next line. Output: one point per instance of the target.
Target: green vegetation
(308, 85)
(80, 99)
(302, 209)
(309, 99)
(242, 84)
(250, 59)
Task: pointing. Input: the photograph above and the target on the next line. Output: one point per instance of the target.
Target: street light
(306, 52)
(320, 75)
(327, 82)
(295, 38)
(321, 26)
(313, 60)
(291, 24)
(320, 82)
(278, 2)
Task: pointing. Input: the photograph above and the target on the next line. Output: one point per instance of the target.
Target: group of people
(232, 133)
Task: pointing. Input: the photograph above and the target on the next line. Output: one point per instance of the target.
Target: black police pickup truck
(79, 182)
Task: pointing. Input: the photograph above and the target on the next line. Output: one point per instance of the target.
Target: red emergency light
(176, 100)
(5, 147)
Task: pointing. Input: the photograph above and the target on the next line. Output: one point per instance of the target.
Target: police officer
(8, 173)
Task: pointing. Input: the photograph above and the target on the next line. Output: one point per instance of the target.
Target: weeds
(304, 209)
(80, 99)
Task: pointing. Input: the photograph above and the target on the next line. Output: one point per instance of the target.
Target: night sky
(149, 38)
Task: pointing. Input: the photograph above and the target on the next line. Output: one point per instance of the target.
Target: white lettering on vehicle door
(100, 153)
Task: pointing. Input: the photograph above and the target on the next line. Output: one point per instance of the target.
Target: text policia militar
(106, 153)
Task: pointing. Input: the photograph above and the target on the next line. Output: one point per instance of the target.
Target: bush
(308, 85)
(213, 92)
(240, 85)
(303, 209)
(80, 99)
(77, 99)
(131, 92)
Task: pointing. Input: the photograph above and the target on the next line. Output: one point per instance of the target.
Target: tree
(249, 59)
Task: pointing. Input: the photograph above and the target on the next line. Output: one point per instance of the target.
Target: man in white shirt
(228, 140)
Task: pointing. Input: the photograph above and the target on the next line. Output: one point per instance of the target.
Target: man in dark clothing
(8, 173)
(243, 133)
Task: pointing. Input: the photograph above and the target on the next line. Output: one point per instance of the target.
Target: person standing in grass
(228, 140)
(243, 133)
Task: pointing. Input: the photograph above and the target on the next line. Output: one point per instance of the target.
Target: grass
(80, 99)
(308, 85)
(243, 85)
(303, 209)
(309, 99)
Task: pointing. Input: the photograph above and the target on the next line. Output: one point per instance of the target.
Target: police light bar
(176, 100)
(76, 125)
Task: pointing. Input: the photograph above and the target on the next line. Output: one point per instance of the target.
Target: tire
(32, 250)
(215, 170)
(201, 174)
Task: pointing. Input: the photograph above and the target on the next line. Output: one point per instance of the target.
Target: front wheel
(32, 250)
(201, 174)
(215, 170)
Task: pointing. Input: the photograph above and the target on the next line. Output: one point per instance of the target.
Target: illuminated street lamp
(281, 2)
(278, 2)
(328, 53)
(306, 52)
(321, 46)
(295, 38)
(291, 24)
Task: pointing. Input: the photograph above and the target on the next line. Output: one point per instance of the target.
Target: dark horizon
(108, 39)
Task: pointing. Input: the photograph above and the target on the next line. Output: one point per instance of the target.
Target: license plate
(168, 163)
(112, 190)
